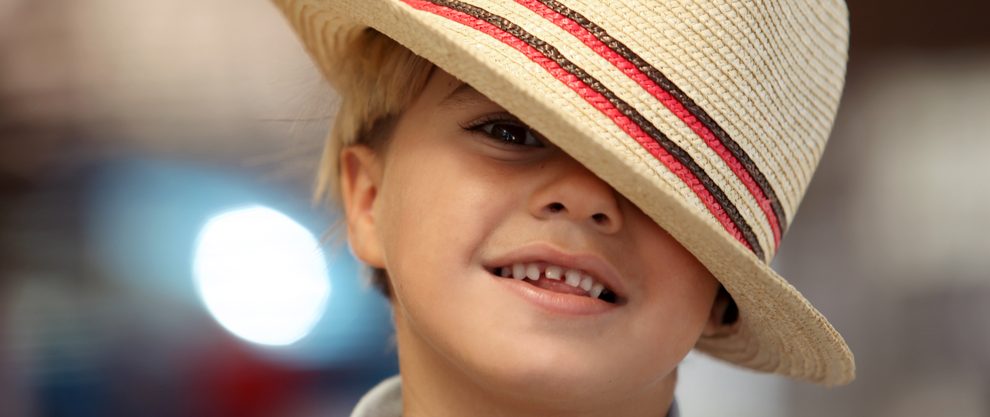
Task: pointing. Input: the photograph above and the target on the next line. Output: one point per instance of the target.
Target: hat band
(627, 118)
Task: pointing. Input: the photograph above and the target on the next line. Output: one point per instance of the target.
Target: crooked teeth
(533, 272)
(519, 271)
(596, 290)
(572, 277)
(586, 282)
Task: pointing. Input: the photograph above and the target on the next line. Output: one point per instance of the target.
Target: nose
(575, 193)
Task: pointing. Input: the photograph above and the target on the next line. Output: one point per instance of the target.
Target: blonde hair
(376, 79)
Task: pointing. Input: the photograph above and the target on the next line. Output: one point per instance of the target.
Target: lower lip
(555, 302)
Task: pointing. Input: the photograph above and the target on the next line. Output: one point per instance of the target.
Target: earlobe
(723, 317)
(360, 177)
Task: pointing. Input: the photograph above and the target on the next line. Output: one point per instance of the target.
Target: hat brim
(778, 330)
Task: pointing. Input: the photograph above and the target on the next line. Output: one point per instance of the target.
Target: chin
(557, 374)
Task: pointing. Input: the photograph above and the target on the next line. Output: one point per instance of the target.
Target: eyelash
(478, 126)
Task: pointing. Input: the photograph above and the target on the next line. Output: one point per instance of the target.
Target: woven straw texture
(709, 115)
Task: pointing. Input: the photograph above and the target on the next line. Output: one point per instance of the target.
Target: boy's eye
(509, 132)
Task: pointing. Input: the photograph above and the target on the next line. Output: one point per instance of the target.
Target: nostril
(600, 218)
(555, 207)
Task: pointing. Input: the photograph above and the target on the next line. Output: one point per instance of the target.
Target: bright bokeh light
(261, 275)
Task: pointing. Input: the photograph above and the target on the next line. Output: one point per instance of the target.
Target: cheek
(678, 291)
(435, 214)
(434, 220)
(681, 301)
(668, 325)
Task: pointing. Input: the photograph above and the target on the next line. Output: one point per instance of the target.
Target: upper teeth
(572, 277)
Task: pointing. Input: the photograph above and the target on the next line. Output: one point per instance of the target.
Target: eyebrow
(462, 95)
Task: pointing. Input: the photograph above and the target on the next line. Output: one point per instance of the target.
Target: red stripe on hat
(596, 100)
(669, 101)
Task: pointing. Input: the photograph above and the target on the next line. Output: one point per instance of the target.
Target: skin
(440, 200)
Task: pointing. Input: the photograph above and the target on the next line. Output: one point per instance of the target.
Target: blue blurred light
(261, 275)
(144, 218)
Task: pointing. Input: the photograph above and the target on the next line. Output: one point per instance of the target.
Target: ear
(360, 179)
(723, 317)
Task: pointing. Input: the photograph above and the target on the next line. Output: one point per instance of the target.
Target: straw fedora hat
(709, 115)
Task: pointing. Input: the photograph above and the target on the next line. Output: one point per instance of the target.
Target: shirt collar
(385, 400)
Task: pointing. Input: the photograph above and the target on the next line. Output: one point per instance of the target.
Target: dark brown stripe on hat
(665, 83)
(550, 52)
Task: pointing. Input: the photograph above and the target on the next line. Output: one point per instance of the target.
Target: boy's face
(446, 205)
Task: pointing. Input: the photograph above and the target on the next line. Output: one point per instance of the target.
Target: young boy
(562, 198)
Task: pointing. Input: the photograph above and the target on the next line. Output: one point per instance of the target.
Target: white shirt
(385, 400)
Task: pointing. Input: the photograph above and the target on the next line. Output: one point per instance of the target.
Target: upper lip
(592, 264)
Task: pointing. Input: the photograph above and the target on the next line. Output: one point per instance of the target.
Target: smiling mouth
(557, 279)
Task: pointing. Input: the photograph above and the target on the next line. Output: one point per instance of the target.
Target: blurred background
(149, 151)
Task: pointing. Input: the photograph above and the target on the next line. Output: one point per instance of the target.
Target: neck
(434, 387)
